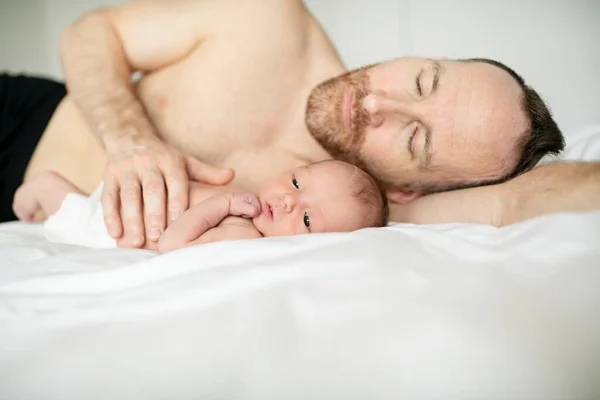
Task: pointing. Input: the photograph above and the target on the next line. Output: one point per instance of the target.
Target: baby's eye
(295, 182)
(306, 220)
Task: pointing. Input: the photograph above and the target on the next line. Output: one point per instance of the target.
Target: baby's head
(328, 196)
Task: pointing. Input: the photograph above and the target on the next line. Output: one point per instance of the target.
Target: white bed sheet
(456, 311)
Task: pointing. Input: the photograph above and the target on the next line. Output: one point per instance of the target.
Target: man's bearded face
(335, 115)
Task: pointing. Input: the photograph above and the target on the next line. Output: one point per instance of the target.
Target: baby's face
(315, 198)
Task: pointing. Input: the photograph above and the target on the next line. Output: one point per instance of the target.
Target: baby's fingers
(247, 210)
(253, 200)
(245, 205)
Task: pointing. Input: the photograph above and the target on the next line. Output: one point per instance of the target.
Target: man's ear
(403, 196)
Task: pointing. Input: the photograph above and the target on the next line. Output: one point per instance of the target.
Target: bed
(453, 311)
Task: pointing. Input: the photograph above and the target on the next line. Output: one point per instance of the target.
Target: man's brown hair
(542, 136)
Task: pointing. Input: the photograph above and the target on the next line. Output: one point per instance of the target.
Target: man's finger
(206, 173)
(131, 210)
(110, 207)
(155, 207)
(177, 192)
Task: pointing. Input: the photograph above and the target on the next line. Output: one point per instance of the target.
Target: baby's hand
(25, 202)
(244, 204)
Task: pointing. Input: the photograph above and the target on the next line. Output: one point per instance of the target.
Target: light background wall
(553, 44)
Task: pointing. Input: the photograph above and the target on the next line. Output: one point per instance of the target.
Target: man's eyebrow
(437, 71)
(427, 151)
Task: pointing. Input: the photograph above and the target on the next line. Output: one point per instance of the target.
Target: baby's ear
(403, 196)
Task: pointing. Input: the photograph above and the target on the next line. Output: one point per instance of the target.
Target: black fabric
(26, 106)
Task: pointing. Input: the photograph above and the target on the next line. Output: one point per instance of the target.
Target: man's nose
(380, 106)
(289, 202)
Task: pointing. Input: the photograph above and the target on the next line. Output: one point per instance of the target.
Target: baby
(328, 196)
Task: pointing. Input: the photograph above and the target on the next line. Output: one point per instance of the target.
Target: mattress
(449, 311)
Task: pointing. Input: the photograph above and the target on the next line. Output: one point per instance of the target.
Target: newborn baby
(328, 196)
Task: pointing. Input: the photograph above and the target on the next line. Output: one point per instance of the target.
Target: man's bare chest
(253, 124)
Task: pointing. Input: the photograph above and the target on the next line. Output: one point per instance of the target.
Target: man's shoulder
(260, 13)
(275, 18)
(284, 8)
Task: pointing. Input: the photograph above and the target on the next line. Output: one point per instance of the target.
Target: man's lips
(347, 109)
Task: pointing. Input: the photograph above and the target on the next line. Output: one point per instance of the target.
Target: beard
(325, 118)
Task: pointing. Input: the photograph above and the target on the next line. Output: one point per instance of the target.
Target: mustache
(332, 92)
(325, 117)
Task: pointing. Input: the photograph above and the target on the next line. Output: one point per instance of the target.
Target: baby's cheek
(287, 227)
(283, 229)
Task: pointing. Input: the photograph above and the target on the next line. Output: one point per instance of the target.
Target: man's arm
(204, 216)
(559, 187)
(99, 53)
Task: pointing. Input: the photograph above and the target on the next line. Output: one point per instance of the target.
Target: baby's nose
(289, 202)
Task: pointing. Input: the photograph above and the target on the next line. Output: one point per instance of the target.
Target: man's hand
(144, 177)
(146, 182)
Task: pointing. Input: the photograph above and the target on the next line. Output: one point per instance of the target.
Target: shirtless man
(227, 82)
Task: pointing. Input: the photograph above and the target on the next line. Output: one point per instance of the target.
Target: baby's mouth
(268, 211)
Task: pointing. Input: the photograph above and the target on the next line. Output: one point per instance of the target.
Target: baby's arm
(43, 194)
(206, 215)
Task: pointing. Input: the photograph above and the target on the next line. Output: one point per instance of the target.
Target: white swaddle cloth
(79, 221)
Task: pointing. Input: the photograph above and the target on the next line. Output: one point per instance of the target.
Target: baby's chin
(258, 222)
(269, 228)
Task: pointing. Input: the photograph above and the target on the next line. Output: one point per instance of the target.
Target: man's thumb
(205, 173)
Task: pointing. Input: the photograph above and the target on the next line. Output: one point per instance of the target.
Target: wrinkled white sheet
(455, 311)
(441, 312)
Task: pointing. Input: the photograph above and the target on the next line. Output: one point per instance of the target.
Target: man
(238, 84)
